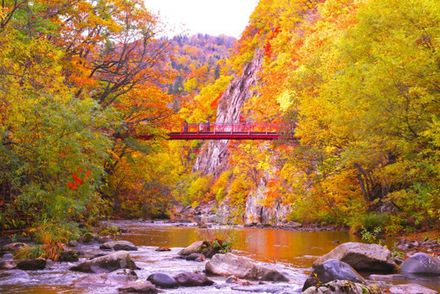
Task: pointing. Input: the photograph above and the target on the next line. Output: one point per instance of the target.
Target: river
(291, 252)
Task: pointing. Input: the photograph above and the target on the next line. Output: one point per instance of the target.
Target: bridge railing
(205, 127)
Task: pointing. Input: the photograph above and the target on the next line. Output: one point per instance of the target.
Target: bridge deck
(223, 131)
(224, 136)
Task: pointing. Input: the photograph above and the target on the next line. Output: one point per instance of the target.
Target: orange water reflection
(296, 248)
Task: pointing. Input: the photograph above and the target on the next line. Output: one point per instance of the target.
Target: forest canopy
(80, 81)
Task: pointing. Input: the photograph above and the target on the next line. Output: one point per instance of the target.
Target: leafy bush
(373, 223)
(29, 252)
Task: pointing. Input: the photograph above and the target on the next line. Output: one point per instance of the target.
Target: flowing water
(291, 252)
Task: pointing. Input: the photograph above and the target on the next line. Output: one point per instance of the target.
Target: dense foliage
(80, 81)
(360, 81)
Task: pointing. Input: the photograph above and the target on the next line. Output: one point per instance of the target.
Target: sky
(213, 17)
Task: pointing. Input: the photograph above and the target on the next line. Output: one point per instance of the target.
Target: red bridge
(215, 131)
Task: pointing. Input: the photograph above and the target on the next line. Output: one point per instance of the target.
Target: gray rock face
(257, 213)
(341, 286)
(192, 280)
(106, 264)
(411, 289)
(244, 268)
(332, 270)
(214, 156)
(362, 257)
(144, 287)
(162, 281)
(118, 245)
(32, 264)
(421, 263)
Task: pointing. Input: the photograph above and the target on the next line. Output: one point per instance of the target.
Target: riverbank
(290, 253)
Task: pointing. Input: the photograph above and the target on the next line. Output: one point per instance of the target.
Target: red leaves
(268, 46)
(77, 180)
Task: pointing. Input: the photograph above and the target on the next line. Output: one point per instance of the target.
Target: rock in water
(118, 245)
(13, 247)
(69, 256)
(244, 268)
(341, 286)
(106, 264)
(362, 257)
(196, 257)
(7, 264)
(163, 281)
(411, 289)
(195, 247)
(188, 279)
(32, 264)
(144, 287)
(332, 270)
(421, 263)
(162, 249)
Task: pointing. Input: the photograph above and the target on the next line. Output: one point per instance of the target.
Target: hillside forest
(356, 81)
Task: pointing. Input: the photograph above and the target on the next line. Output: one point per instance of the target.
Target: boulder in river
(162, 249)
(332, 270)
(107, 263)
(195, 257)
(195, 247)
(342, 286)
(118, 245)
(410, 289)
(69, 256)
(13, 247)
(362, 257)
(189, 279)
(144, 287)
(242, 267)
(162, 281)
(7, 264)
(32, 264)
(421, 263)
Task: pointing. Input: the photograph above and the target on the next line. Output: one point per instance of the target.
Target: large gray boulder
(69, 256)
(332, 270)
(195, 247)
(162, 281)
(421, 263)
(362, 257)
(341, 286)
(188, 279)
(410, 289)
(107, 263)
(32, 264)
(118, 245)
(244, 268)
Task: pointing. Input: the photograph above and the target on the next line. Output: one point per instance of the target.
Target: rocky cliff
(214, 157)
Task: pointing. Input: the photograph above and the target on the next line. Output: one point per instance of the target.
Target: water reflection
(297, 248)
